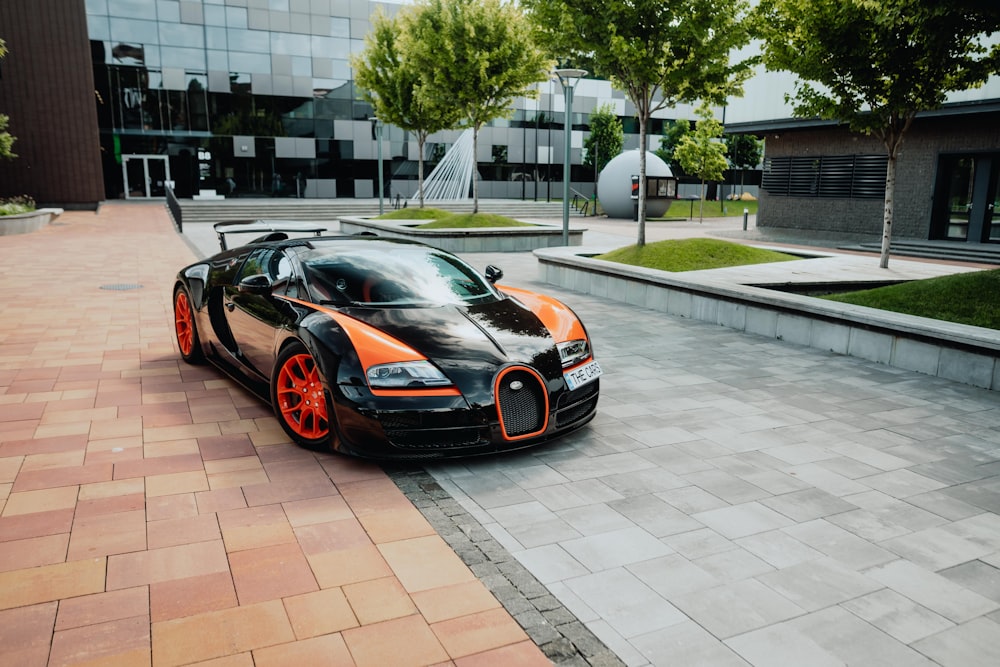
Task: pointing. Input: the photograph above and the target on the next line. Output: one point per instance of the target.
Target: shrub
(15, 205)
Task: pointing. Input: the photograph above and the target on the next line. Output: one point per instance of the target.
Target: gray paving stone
(733, 565)
(692, 499)
(615, 548)
(779, 549)
(831, 636)
(820, 583)
(733, 609)
(842, 546)
(700, 543)
(686, 644)
(807, 505)
(978, 576)
(595, 519)
(902, 483)
(936, 548)
(728, 487)
(655, 515)
(937, 593)
(673, 575)
(973, 644)
(623, 601)
(742, 520)
(897, 615)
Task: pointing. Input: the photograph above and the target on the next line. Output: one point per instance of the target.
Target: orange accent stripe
(556, 316)
(375, 347)
(496, 400)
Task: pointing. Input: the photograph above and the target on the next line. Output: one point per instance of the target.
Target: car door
(253, 314)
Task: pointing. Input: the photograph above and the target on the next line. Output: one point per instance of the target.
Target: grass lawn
(440, 219)
(693, 254)
(963, 298)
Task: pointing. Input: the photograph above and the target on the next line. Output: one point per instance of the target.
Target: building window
(829, 176)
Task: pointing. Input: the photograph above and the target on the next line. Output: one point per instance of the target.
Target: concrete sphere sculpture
(614, 185)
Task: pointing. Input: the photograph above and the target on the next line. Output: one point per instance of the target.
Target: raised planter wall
(957, 352)
(482, 239)
(25, 223)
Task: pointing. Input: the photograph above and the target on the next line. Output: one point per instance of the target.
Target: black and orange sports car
(385, 349)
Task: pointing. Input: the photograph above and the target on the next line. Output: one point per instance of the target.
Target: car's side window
(276, 266)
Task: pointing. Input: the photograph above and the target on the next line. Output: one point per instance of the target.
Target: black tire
(185, 328)
(299, 400)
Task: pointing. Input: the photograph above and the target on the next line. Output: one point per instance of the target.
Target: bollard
(746, 212)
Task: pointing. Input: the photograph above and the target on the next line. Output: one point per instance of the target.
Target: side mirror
(257, 284)
(493, 273)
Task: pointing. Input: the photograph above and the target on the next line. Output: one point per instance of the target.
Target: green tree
(671, 137)
(605, 141)
(874, 64)
(477, 56)
(6, 140)
(701, 153)
(397, 90)
(658, 53)
(744, 152)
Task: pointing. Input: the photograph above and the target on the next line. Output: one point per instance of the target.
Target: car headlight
(573, 351)
(406, 374)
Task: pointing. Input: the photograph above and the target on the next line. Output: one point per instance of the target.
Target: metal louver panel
(828, 176)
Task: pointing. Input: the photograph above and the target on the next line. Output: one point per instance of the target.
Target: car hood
(465, 340)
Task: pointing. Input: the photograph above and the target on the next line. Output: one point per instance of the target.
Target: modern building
(116, 99)
(820, 177)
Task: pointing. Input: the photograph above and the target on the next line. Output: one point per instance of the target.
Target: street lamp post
(568, 78)
(377, 125)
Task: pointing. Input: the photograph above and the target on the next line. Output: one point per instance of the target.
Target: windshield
(392, 275)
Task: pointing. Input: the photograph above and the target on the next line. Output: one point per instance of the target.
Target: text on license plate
(582, 375)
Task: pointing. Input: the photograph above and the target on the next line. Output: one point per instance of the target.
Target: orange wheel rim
(184, 322)
(300, 397)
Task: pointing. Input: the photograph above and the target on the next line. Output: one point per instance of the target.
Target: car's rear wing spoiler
(265, 228)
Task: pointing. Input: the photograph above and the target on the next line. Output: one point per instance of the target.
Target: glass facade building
(255, 98)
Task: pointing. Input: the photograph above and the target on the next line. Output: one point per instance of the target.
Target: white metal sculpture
(452, 177)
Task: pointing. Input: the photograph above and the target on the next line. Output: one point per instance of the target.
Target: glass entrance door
(145, 176)
(993, 210)
(961, 181)
(967, 199)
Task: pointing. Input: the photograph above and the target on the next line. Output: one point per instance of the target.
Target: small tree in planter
(702, 154)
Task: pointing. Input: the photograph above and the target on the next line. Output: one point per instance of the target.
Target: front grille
(521, 402)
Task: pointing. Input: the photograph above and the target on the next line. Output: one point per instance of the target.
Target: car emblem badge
(516, 385)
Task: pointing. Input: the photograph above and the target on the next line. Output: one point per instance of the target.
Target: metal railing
(174, 207)
(583, 204)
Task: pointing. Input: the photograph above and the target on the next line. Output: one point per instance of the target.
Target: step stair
(980, 253)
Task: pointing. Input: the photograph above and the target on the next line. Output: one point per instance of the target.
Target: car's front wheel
(299, 399)
(185, 327)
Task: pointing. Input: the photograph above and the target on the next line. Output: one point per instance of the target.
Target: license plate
(578, 377)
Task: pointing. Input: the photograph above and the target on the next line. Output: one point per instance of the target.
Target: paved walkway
(737, 501)
(154, 513)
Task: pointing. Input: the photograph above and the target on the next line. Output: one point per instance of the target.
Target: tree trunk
(421, 140)
(701, 203)
(641, 240)
(475, 169)
(890, 188)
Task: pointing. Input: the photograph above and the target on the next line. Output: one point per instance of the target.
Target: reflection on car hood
(471, 338)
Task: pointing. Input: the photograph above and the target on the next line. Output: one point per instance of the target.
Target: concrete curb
(962, 353)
